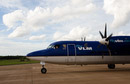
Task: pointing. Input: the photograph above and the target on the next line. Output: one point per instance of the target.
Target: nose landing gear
(43, 70)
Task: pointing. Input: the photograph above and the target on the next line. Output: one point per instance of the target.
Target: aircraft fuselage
(86, 52)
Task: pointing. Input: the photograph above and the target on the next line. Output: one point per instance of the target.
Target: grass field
(20, 60)
(16, 61)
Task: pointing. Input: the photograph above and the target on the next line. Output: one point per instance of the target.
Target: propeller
(105, 39)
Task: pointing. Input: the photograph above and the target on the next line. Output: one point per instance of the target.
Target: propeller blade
(105, 33)
(101, 34)
(109, 37)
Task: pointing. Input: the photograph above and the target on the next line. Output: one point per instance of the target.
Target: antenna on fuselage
(84, 38)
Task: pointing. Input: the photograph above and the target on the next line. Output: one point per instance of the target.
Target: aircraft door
(71, 52)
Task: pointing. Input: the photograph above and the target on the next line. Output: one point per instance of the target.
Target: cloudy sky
(28, 25)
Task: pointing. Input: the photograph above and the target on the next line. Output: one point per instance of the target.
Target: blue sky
(29, 25)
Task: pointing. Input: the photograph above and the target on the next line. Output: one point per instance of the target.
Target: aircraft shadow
(93, 71)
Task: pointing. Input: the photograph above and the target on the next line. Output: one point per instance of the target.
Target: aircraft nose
(36, 53)
(30, 54)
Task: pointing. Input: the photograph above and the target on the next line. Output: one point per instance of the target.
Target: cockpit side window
(57, 46)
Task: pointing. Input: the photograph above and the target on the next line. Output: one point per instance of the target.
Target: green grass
(16, 61)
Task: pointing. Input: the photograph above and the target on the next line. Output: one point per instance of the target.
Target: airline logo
(117, 41)
(85, 48)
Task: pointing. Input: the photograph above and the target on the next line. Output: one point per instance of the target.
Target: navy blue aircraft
(111, 50)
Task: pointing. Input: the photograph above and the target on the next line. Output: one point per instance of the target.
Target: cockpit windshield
(50, 46)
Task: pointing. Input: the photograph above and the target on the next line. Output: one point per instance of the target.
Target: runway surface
(63, 74)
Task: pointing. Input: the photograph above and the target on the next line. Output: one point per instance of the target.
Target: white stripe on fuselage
(83, 59)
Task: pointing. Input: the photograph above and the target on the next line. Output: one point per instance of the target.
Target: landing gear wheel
(111, 66)
(43, 70)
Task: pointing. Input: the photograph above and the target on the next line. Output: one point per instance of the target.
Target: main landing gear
(43, 70)
(111, 66)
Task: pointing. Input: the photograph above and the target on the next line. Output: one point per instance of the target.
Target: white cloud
(39, 18)
(120, 10)
(11, 19)
(72, 10)
(19, 32)
(41, 37)
(75, 34)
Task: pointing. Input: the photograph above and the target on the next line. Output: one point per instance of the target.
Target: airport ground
(63, 74)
